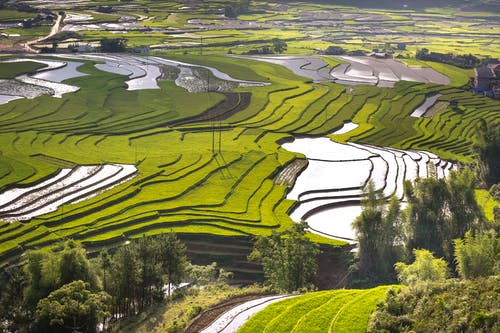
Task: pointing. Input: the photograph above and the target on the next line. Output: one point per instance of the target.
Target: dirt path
(233, 315)
(208, 316)
(55, 29)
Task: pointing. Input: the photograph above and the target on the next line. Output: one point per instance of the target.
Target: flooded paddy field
(383, 72)
(328, 192)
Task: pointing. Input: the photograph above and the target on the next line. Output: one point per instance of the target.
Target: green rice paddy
(343, 310)
(218, 177)
(207, 177)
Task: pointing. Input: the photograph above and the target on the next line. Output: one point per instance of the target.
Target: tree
(172, 254)
(125, 272)
(230, 12)
(74, 265)
(150, 282)
(465, 212)
(233, 10)
(487, 150)
(448, 306)
(422, 54)
(288, 258)
(279, 46)
(440, 211)
(47, 271)
(379, 233)
(207, 275)
(73, 307)
(334, 50)
(113, 44)
(425, 268)
(478, 255)
(12, 286)
(426, 219)
(105, 267)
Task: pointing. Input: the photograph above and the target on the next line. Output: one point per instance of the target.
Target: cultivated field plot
(383, 72)
(69, 185)
(307, 27)
(324, 311)
(209, 161)
(328, 192)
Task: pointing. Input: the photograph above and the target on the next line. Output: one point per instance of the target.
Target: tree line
(61, 290)
(441, 216)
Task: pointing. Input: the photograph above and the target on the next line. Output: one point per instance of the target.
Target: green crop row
(324, 311)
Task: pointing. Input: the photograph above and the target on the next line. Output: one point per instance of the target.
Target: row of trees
(442, 216)
(461, 60)
(61, 290)
(278, 46)
(232, 10)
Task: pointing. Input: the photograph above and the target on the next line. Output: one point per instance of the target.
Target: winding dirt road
(55, 29)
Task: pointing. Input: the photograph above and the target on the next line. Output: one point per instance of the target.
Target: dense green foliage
(449, 306)
(72, 308)
(487, 150)
(379, 232)
(137, 272)
(440, 211)
(424, 268)
(62, 291)
(478, 255)
(62, 275)
(288, 258)
(113, 44)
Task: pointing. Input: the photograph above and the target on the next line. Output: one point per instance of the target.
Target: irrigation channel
(328, 192)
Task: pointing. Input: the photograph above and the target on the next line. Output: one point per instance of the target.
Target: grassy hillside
(325, 311)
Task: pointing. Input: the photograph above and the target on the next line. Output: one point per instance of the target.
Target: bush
(334, 50)
(449, 306)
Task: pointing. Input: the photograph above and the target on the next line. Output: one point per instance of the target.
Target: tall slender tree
(487, 149)
(379, 234)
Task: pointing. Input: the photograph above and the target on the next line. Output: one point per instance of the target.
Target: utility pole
(213, 138)
(220, 137)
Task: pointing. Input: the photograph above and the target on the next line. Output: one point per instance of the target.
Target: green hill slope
(344, 310)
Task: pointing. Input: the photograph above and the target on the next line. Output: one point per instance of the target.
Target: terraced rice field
(325, 311)
(328, 192)
(383, 72)
(212, 161)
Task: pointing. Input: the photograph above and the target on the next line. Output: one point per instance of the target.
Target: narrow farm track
(233, 319)
(54, 30)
